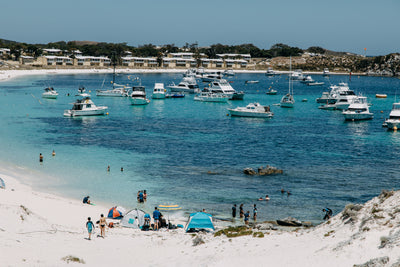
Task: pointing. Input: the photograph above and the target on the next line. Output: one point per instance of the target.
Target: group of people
(244, 215)
(90, 226)
(141, 196)
(41, 156)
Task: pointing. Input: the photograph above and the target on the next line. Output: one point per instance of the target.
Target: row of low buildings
(55, 57)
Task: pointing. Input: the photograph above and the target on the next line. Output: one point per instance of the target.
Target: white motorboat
(251, 82)
(138, 96)
(332, 96)
(211, 76)
(271, 91)
(50, 93)
(158, 91)
(229, 73)
(358, 110)
(287, 100)
(222, 86)
(308, 79)
(207, 96)
(270, 72)
(345, 98)
(85, 107)
(252, 110)
(297, 75)
(326, 72)
(394, 117)
(315, 84)
(187, 85)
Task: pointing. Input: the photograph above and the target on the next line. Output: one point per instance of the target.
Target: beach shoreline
(42, 229)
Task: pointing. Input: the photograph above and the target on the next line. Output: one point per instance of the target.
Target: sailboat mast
(290, 72)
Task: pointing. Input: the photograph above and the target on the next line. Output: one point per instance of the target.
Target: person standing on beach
(241, 212)
(89, 227)
(254, 212)
(246, 218)
(40, 158)
(234, 211)
(156, 218)
(103, 224)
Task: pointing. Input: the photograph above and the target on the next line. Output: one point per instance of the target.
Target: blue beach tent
(199, 220)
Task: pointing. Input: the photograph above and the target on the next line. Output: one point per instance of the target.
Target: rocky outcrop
(267, 170)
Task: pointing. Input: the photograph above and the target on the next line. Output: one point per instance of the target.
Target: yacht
(271, 91)
(224, 87)
(297, 75)
(287, 101)
(332, 96)
(207, 96)
(252, 110)
(85, 107)
(326, 72)
(270, 72)
(308, 79)
(187, 85)
(211, 76)
(345, 98)
(358, 110)
(394, 117)
(50, 93)
(158, 91)
(117, 90)
(138, 96)
(229, 73)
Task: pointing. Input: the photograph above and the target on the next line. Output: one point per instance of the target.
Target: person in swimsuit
(103, 224)
(255, 213)
(246, 217)
(89, 226)
(241, 212)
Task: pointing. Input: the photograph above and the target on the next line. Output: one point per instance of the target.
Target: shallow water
(191, 153)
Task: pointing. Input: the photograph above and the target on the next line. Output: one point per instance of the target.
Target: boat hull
(77, 113)
(237, 96)
(211, 99)
(158, 96)
(139, 101)
(236, 113)
(49, 96)
(390, 123)
(353, 116)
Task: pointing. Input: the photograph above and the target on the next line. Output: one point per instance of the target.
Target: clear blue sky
(340, 25)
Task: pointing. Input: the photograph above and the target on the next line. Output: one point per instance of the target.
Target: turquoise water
(191, 153)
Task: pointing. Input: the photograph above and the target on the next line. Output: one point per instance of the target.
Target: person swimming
(267, 197)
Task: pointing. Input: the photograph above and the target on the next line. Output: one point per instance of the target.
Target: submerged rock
(289, 221)
(267, 170)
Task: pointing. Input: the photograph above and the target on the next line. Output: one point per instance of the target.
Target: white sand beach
(39, 229)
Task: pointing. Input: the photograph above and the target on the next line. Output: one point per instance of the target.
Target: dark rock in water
(249, 171)
(268, 170)
(289, 221)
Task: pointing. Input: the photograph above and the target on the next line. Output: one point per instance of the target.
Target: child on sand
(89, 226)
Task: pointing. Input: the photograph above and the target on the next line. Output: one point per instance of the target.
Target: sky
(340, 25)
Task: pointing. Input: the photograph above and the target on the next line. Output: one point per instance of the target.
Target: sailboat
(287, 100)
(117, 90)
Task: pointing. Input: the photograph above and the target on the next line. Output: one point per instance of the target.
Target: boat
(394, 117)
(117, 90)
(326, 72)
(358, 110)
(287, 100)
(345, 98)
(251, 82)
(158, 91)
(229, 73)
(252, 110)
(381, 95)
(211, 76)
(271, 91)
(138, 96)
(222, 86)
(270, 72)
(85, 107)
(297, 75)
(315, 84)
(207, 96)
(175, 95)
(187, 85)
(332, 96)
(328, 106)
(308, 79)
(50, 93)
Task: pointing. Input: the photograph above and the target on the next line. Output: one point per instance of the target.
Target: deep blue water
(191, 153)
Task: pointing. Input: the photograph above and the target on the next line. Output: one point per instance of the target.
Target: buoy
(107, 113)
(395, 128)
(227, 114)
(381, 111)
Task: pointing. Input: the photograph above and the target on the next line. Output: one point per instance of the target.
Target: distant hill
(4, 41)
(80, 43)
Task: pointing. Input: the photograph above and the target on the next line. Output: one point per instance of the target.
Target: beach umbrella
(116, 212)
